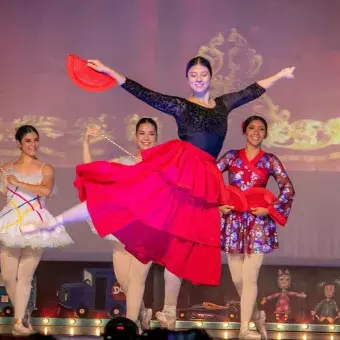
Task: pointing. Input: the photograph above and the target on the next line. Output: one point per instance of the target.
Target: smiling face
(255, 133)
(199, 78)
(29, 144)
(146, 136)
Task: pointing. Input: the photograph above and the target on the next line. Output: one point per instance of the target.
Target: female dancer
(26, 182)
(131, 273)
(181, 184)
(247, 236)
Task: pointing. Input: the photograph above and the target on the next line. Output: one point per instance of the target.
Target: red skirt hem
(163, 209)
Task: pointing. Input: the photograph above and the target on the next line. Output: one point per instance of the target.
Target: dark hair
(251, 119)
(145, 120)
(120, 329)
(24, 130)
(165, 334)
(198, 61)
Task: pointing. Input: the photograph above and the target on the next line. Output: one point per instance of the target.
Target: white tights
(18, 266)
(131, 275)
(132, 281)
(244, 270)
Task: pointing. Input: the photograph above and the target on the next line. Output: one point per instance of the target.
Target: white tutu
(22, 207)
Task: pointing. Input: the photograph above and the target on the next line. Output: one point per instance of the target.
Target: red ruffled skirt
(164, 209)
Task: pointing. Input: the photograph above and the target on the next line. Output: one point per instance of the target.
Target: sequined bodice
(203, 127)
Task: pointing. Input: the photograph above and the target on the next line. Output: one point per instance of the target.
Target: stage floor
(92, 329)
(231, 336)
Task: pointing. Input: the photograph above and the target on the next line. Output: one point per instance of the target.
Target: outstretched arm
(164, 103)
(90, 133)
(235, 99)
(286, 73)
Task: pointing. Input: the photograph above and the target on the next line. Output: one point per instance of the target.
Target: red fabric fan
(235, 197)
(87, 78)
(259, 197)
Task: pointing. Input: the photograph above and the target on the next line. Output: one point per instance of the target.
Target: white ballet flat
(145, 318)
(260, 324)
(166, 320)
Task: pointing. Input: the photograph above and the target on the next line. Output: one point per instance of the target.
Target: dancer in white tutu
(26, 182)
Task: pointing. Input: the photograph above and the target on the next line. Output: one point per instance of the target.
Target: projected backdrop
(151, 41)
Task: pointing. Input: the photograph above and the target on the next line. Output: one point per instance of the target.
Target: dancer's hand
(12, 180)
(225, 209)
(259, 211)
(303, 295)
(313, 312)
(90, 133)
(263, 301)
(98, 66)
(287, 73)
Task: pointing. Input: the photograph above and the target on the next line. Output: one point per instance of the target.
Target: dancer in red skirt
(176, 220)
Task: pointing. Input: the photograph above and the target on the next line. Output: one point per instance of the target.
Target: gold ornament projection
(243, 63)
(230, 52)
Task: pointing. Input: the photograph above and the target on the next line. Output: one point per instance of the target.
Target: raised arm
(173, 106)
(90, 133)
(286, 73)
(254, 91)
(280, 210)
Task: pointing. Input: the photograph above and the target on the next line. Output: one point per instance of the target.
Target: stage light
(199, 323)
(45, 331)
(72, 321)
(331, 327)
(278, 336)
(305, 326)
(226, 324)
(304, 337)
(252, 325)
(225, 335)
(98, 321)
(97, 331)
(279, 326)
(71, 331)
(45, 321)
